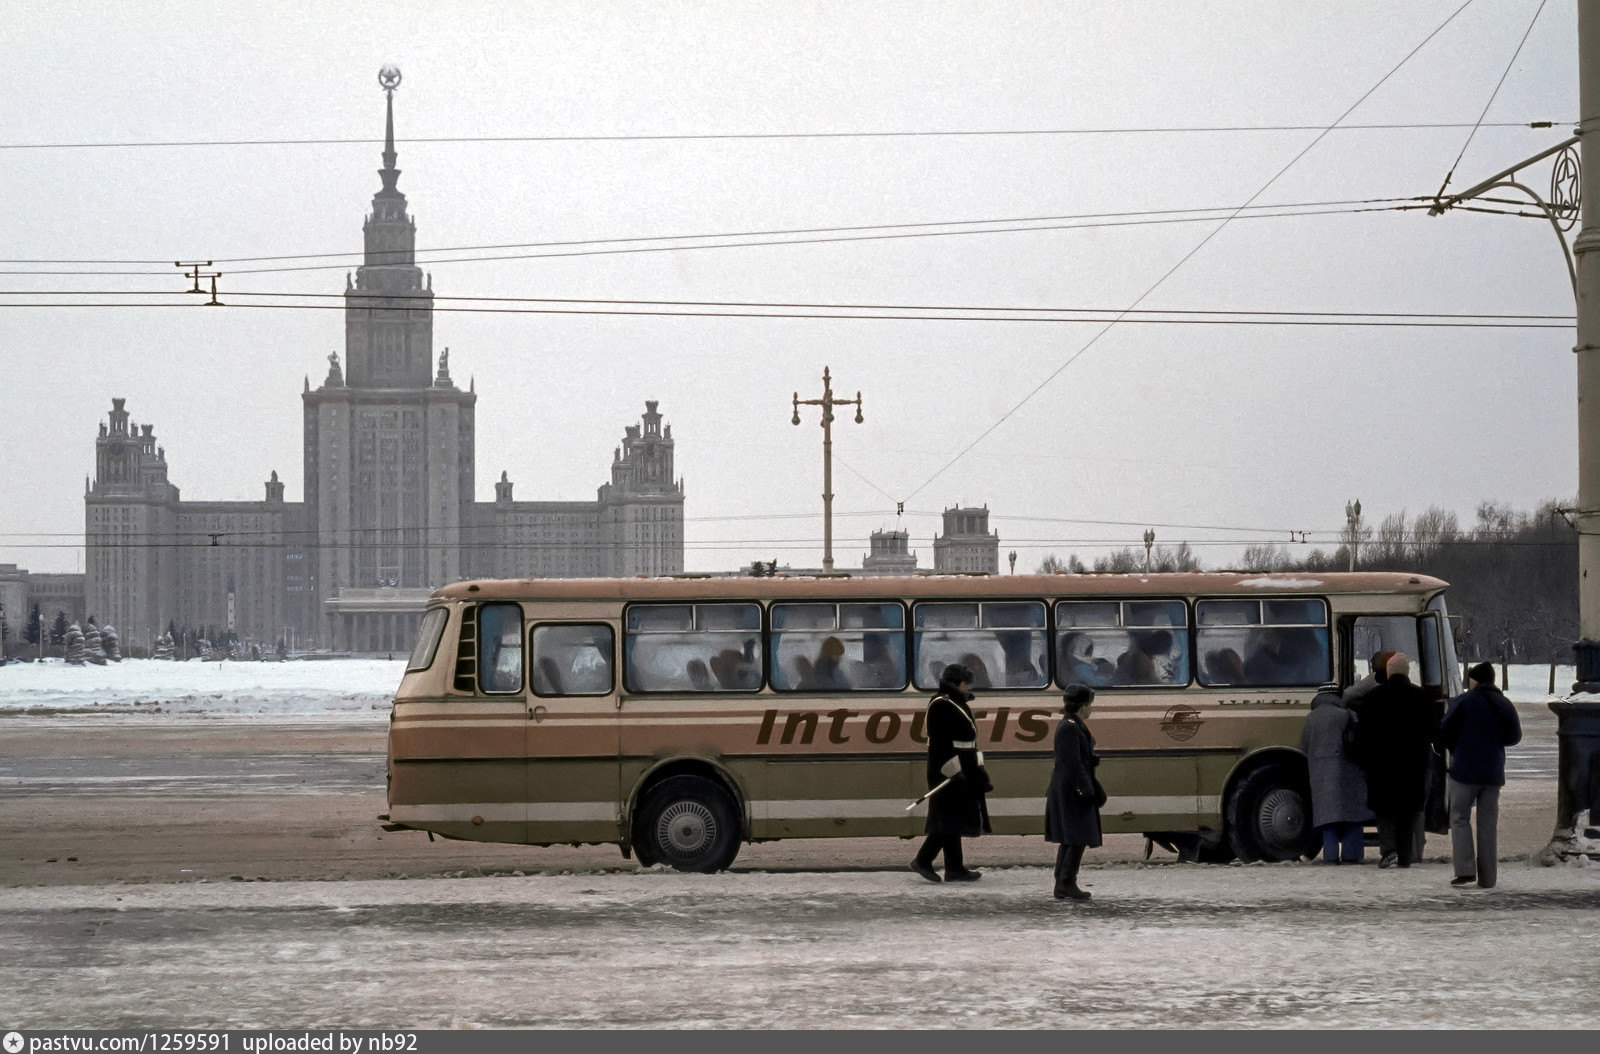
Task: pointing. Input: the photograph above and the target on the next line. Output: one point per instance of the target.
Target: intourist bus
(680, 717)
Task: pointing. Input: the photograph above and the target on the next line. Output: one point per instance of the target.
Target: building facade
(389, 510)
(889, 554)
(967, 544)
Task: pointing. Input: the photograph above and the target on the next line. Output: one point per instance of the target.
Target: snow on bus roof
(935, 585)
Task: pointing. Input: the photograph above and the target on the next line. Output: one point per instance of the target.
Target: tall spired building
(388, 455)
(389, 512)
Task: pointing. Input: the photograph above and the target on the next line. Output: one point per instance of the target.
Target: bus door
(1426, 642)
(572, 724)
(458, 761)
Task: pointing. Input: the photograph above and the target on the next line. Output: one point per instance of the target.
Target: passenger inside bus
(1286, 656)
(736, 670)
(1137, 665)
(1020, 671)
(980, 672)
(1080, 665)
(878, 668)
(823, 675)
(1224, 667)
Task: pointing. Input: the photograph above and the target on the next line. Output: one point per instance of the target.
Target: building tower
(967, 543)
(130, 579)
(890, 554)
(641, 509)
(389, 440)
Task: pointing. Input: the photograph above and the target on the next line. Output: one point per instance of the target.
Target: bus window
(1370, 634)
(692, 648)
(1263, 643)
(571, 659)
(1122, 643)
(1003, 643)
(500, 648)
(838, 647)
(427, 640)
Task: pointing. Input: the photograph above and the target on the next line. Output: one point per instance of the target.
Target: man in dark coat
(1395, 727)
(956, 810)
(1377, 673)
(1338, 786)
(1478, 727)
(1072, 804)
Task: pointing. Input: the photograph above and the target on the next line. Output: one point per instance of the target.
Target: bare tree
(1267, 557)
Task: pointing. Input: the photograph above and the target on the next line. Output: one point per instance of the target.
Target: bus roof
(691, 587)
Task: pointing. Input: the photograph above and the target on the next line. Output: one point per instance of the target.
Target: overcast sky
(1231, 426)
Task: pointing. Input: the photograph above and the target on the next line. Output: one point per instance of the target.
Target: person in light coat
(1338, 786)
(1072, 804)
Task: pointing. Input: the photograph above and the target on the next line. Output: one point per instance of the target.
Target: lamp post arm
(1441, 204)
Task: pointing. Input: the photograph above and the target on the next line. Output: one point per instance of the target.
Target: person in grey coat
(1072, 805)
(1338, 786)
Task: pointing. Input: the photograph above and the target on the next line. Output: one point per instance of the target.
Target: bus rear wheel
(1269, 815)
(689, 823)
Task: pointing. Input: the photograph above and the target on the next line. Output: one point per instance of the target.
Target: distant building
(389, 510)
(967, 544)
(55, 594)
(890, 554)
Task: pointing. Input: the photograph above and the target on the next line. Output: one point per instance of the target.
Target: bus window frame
(1329, 625)
(620, 682)
(611, 659)
(770, 663)
(413, 663)
(1192, 660)
(522, 647)
(1048, 629)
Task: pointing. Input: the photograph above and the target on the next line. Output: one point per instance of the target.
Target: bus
(679, 718)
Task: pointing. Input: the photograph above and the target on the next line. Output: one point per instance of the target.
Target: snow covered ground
(1272, 946)
(340, 688)
(345, 689)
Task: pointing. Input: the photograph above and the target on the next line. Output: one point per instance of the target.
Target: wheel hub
(686, 828)
(1281, 819)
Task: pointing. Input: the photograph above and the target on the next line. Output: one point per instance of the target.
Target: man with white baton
(956, 778)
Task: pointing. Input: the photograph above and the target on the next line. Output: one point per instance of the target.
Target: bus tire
(689, 823)
(1269, 815)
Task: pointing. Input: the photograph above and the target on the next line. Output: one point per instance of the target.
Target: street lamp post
(1352, 519)
(1149, 541)
(1012, 556)
(827, 402)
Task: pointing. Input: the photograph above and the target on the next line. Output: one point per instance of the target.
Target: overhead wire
(1186, 257)
(361, 253)
(714, 136)
(761, 242)
(1485, 112)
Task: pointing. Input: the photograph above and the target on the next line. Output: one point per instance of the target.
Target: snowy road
(1284, 946)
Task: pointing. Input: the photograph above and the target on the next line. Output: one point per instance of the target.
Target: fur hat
(1483, 673)
(1399, 665)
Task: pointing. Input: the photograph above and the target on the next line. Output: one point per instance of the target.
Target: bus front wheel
(1269, 815)
(689, 824)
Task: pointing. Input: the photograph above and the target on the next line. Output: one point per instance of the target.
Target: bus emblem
(1181, 722)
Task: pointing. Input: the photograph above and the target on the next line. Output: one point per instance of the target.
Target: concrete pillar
(1578, 802)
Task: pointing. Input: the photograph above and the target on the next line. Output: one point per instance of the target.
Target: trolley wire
(723, 136)
(1186, 257)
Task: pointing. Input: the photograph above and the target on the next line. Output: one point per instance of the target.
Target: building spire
(389, 78)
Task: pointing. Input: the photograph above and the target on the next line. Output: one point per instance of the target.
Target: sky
(1218, 434)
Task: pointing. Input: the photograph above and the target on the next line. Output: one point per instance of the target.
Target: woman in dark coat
(1338, 786)
(958, 809)
(1072, 806)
